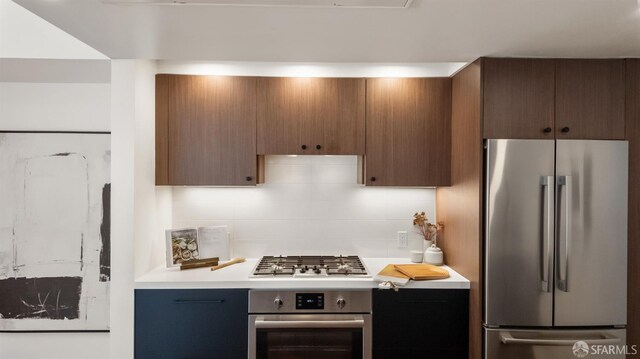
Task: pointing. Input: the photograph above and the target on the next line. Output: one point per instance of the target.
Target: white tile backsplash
(288, 173)
(309, 204)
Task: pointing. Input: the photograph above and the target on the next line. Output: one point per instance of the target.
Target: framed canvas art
(55, 223)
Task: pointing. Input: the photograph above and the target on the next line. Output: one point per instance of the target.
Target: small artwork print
(182, 246)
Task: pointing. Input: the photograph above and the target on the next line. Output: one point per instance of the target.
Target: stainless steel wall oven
(312, 324)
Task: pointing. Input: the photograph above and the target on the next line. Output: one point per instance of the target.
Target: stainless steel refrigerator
(555, 248)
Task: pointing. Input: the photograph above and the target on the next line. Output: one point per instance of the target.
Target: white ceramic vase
(427, 245)
(433, 255)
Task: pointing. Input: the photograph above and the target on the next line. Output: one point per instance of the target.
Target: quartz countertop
(238, 276)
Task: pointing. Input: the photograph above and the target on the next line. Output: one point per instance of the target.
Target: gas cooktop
(310, 266)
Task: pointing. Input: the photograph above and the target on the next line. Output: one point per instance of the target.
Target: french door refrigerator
(555, 248)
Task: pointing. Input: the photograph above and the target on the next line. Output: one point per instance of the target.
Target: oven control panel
(309, 301)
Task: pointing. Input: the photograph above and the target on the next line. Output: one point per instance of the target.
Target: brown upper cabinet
(553, 98)
(408, 132)
(205, 130)
(518, 98)
(590, 99)
(311, 116)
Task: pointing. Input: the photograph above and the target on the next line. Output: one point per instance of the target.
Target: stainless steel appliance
(555, 247)
(310, 266)
(309, 324)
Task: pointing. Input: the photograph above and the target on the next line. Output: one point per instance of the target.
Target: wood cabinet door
(590, 99)
(408, 132)
(211, 130)
(518, 98)
(312, 116)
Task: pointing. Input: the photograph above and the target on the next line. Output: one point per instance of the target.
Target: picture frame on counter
(214, 241)
(190, 244)
(182, 246)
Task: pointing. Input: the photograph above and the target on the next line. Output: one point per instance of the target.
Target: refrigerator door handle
(605, 339)
(547, 230)
(565, 233)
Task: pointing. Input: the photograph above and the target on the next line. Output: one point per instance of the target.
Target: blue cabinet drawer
(191, 323)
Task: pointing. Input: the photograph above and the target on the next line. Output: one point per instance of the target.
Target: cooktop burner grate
(310, 266)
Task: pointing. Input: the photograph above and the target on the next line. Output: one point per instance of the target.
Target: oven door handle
(356, 322)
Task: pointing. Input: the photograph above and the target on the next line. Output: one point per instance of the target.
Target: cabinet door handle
(565, 130)
(304, 147)
(197, 301)
(318, 147)
(547, 130)
(423, 301)
(373, 179)
(249, 178)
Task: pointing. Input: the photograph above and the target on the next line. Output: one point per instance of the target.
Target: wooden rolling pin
(231, 262)
(199, 263)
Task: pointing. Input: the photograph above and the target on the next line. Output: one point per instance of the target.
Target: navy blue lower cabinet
(191, 323)
(421, 323)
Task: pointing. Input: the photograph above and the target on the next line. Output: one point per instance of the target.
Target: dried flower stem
(426, 229)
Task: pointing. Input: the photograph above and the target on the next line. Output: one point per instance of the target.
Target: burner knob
(302, 270)
(277, 303)
(341, 302)
(316, 270)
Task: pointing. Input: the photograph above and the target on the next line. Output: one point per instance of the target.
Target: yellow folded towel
(422, 271)
(390, 271)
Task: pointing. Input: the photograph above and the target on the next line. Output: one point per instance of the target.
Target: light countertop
(237, 276)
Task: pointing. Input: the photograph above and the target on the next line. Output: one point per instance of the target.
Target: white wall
(26, 104)
(122, 201)
(33, 96)
(54, 106)
(152, 205)
(54, 345)
(308, 205)
(140, 212)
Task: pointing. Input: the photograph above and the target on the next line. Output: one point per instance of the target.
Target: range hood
(285, 3)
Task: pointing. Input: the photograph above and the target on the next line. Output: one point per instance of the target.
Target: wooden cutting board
(422, 271)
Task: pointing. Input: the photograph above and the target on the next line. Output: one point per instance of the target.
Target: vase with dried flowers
(427, 230)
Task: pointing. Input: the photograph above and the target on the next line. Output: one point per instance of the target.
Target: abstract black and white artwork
(54, 231)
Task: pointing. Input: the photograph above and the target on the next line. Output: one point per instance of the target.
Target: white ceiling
(24, 35)
(428, 31)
